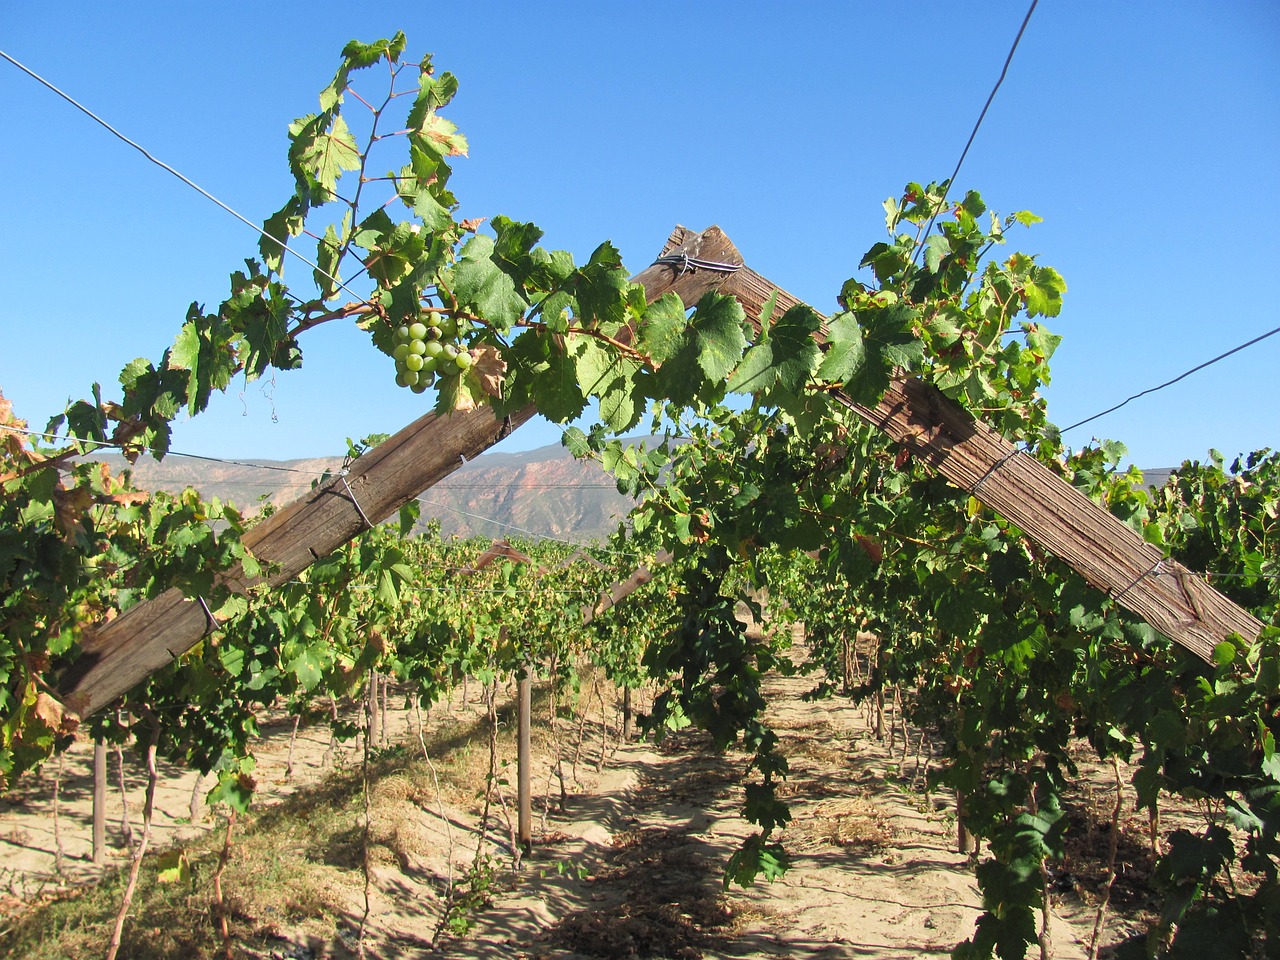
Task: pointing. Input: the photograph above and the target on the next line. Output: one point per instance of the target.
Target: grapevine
(1006, 654)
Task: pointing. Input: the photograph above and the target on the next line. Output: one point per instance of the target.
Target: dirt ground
(632, 868)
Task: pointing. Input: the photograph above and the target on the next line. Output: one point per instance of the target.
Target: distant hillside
(541, 493)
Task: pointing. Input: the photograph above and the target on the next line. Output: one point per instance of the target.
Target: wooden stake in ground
(99, 803)
(524, 761)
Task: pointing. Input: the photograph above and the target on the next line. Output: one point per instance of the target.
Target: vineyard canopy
(967, 452)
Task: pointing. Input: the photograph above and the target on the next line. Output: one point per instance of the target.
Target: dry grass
(294, 866)
(850, 822)
(669, 906)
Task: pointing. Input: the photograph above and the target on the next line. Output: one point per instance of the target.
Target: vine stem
(368, 821)
(1099, 918)
(448, 825)
(148, 809)
(126, 829)
(220, 907)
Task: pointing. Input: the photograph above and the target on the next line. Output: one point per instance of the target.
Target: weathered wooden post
(524, 798)
(99, 802)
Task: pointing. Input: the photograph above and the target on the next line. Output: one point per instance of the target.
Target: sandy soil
(632, 868)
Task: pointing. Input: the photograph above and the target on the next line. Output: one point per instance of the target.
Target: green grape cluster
(425, 351)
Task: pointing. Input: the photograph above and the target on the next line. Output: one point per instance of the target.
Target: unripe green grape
(407, 378)
(463, 360)
(428, 364)
(426, 379)
(433, 348)
(451, 351)
(402, 332)
(448, 328)
(413, 362)
(418, 347)
(418, 331)
(419, 387)
(401, 351)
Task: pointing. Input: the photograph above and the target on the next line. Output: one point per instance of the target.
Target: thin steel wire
(1169, 383)
(973, 135)
(185, 179)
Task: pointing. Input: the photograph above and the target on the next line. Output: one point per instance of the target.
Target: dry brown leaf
(51, 713)
(490, 368)
(69, 508)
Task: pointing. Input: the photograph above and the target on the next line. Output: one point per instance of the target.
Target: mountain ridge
(543, 493)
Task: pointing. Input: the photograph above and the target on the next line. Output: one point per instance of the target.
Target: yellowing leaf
(173, 867)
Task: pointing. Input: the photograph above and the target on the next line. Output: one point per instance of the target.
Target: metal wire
(185, 179)
(1169, 383)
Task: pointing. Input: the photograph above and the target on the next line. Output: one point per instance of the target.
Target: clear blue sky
(1147, 135)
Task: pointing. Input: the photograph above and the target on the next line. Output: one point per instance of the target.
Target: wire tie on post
(342, 475)
(211, 622)
(687, 264)
(992, 469)
(1156, 570)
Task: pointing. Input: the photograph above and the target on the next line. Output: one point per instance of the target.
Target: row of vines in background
(1007, 658)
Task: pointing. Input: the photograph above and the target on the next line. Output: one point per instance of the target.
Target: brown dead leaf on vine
(489, 368)
(870, 547)
(69, 508)
(14, 442)
(51, 713)
(7, 418)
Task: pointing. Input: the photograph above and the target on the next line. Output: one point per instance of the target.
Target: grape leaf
(716, 328)
(481, 283)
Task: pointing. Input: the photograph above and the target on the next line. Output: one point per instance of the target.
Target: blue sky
(1146, 135)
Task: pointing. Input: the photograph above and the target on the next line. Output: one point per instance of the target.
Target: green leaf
(557, 391)
(756, 372)
(307, 668)
(202, 349)
(234, 787)
(282, 225)
(661, 333)
(433, 93)
(575, 441)
(935, 248)
(1043, 292)
(753, 858)
(600, 288)
(796, 354)
(846, 352)
(357, 56)
(716, 326)
(328, 256)
(172, 866)
(481, 283)
(621, 405)
(396, 254)
(321, 149)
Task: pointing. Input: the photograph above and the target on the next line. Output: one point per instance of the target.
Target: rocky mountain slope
(540, 493)
(537, 493)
